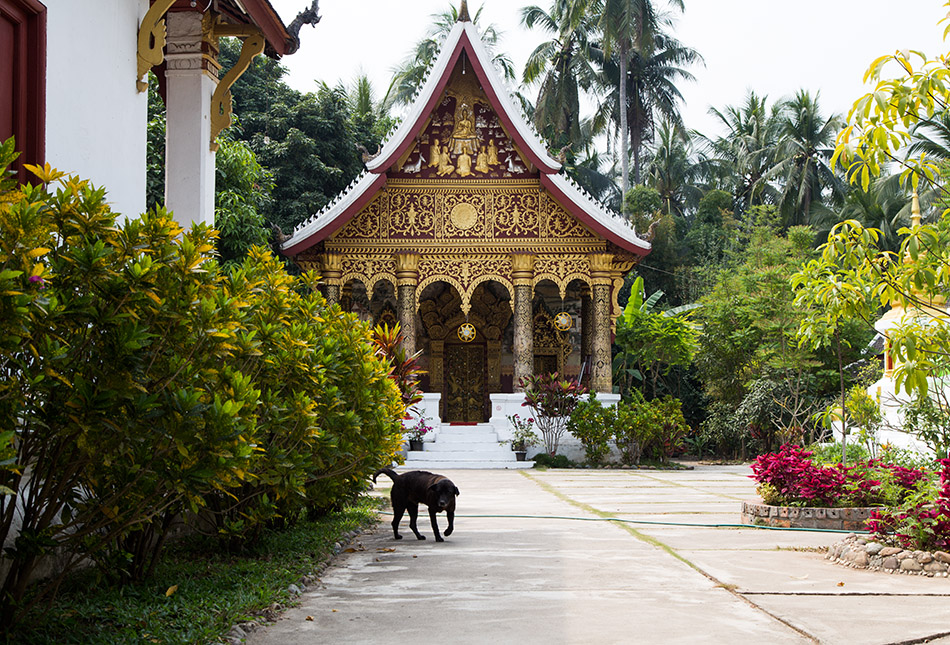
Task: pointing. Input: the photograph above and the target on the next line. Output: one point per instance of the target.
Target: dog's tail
(386, 471)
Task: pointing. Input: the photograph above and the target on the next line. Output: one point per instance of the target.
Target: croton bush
(789, 477)
(140, 383)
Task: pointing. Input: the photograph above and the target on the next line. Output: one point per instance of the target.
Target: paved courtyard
(505, 577)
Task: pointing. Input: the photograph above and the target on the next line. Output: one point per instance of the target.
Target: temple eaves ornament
(151, 41)
(251, 47)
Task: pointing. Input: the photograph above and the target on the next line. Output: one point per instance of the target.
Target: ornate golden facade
(476, 256)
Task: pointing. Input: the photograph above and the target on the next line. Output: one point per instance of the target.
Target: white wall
(95, 118)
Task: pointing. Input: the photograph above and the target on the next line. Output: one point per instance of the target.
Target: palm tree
(563, 65)
(739, 161)
(671, 172)
(633, 40)
(803, 157)
(408, 76)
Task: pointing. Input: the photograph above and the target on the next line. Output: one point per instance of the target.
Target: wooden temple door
(464, 396)
(545, 364)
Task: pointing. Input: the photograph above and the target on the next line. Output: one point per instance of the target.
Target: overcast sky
(772, 47)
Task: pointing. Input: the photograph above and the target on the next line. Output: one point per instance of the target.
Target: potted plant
(417, 432)
(523, 436)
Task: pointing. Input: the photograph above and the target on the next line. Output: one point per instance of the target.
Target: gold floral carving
(369, 270)
(440, 315)
(562, 270)
(549, 340)
(488, 214)
(465, 273)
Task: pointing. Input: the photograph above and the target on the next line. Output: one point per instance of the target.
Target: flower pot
(415, 444)
(520, 455)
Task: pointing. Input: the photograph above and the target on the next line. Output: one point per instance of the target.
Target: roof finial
(463, 12)
(914, 208)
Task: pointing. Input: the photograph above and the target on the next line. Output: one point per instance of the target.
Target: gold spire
(914, 209)
(463, 12)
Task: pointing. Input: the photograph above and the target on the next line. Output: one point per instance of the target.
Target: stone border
(841, 519)
(859, 552)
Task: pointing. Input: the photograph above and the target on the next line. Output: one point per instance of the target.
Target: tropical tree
(370, 120)
(671, 171)
(809, 186)
(636, 49)
(563, 66)
(651, 342)
(739, 159)
(242, 194)
(409, 75)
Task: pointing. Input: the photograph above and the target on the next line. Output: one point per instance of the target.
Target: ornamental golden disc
(464, 216)
(563, 321)
(467, 332)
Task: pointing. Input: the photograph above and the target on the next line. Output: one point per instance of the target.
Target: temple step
(474, 446)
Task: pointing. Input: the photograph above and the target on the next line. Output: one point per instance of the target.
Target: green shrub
(654, 429)
(114, 343)
(593, 424)
(140, 382)
(544, 460)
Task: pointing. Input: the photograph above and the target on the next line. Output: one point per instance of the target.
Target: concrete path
(521, 580)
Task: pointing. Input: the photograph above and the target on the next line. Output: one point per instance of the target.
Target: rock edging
(860, 552)
(841, 519)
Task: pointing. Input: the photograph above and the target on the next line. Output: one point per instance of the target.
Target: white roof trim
(435, 73)
(316, 223)
(597, 211)
(532, 138)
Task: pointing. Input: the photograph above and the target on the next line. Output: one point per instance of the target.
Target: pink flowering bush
(922, 520)
(790, 478)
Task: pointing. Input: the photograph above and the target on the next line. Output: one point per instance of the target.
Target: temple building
(463, 229)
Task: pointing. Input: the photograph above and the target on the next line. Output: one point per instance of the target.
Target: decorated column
(332, 271)
(192, 75)
(587, 324)
(522, 275)
(407, 279)
(600, 268)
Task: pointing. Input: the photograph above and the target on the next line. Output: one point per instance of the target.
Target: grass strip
(215, 589)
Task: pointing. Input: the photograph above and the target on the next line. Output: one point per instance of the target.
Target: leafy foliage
(141, 383)
(651, 342)
(404, 367)
(790, 478)
(552, 399)
(115, 377)
(639, 428)
(921, 520)
(593, 424)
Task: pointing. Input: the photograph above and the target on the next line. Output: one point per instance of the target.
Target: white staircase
(455, 446)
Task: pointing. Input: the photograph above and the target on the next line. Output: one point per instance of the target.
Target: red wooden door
(23, 78)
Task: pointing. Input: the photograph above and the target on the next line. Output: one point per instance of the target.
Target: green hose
(654, 523)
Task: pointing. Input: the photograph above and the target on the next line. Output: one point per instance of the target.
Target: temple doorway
(465, 394)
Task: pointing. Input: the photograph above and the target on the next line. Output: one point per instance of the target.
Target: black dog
(409, 489)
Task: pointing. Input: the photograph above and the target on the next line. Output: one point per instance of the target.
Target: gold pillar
(522, 275)
(436, 357)
(587, 325)
(331, 271)
(600, 268)
(493, 349)
(407, 279)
